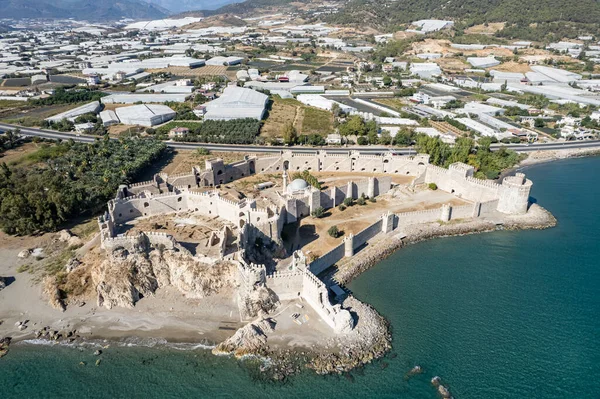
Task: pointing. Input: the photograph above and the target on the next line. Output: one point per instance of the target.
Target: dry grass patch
(306, 120)
(316, 121)
(282, 111)
(512, 66)
(485, 29)
(209, 70)
(451, 64)
(184, 160)
(13, 156)
(394, 103)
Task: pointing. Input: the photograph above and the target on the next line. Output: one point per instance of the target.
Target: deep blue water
(498, 315)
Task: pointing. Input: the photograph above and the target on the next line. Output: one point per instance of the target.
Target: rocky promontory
(371, 339)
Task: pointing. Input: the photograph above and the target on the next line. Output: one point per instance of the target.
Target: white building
(132, 98)
(483, 62)
(426, 70)
(145, 114)
(109, 118)
(317, 101)
(90, 108)
(220, 61)
(92, 79)
(430, 25)
(237, 103)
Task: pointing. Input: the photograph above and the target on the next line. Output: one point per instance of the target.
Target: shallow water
(498, 315)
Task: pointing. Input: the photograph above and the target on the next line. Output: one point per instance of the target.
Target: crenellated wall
(458, 179)
(352, 161)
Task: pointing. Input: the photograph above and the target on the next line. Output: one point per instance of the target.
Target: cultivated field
(210, 70)
(306, 120)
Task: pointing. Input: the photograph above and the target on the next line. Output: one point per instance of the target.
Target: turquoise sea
(499, 315)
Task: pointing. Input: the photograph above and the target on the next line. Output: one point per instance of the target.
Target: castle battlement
(422, 212)
(484, 183)
(143, 183)
(178, 175)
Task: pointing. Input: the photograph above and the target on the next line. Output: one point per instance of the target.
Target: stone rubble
(248, 340)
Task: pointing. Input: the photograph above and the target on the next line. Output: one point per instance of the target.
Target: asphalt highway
(50, 134)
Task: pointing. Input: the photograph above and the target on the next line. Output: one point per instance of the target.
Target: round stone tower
(514, 194)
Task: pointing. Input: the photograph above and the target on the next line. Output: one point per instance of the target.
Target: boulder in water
(444, 392)
(4, 343)
(415, 370)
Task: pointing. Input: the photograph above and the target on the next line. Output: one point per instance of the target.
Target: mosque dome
(297, 185)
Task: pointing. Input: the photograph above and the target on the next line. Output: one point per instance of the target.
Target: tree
(539, 123)
(361, 200)
(348, 201)
(318, 213)
(336, 110)
(372, 137)
(403, 138)
(353, 126)
(333, 232)
(289, 134)
(385, 138)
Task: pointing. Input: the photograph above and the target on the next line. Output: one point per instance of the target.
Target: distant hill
(389, 13)
(526, 19)
(244, 7)
(177, 6)
(91, 10)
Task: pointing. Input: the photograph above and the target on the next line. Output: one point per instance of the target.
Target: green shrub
(23, 268)
(333, 232)
(342, 207)
(348, 201)
(361, 200)
(433, 186)
(318, 213)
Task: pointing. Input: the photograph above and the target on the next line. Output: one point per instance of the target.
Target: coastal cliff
(125, 277)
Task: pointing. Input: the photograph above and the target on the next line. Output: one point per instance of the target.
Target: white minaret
(285, 180)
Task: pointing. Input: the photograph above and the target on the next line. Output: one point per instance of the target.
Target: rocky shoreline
(537, 218)
(370, 340)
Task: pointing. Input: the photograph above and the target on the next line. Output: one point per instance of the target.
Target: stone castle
(297, 277)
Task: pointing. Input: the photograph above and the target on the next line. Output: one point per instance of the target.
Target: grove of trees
(64, 96)
(237, 131)
(488, 164)
(68, 179)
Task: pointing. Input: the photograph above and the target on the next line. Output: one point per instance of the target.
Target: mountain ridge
(391, 15)
(178, 6)
(83, 10)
